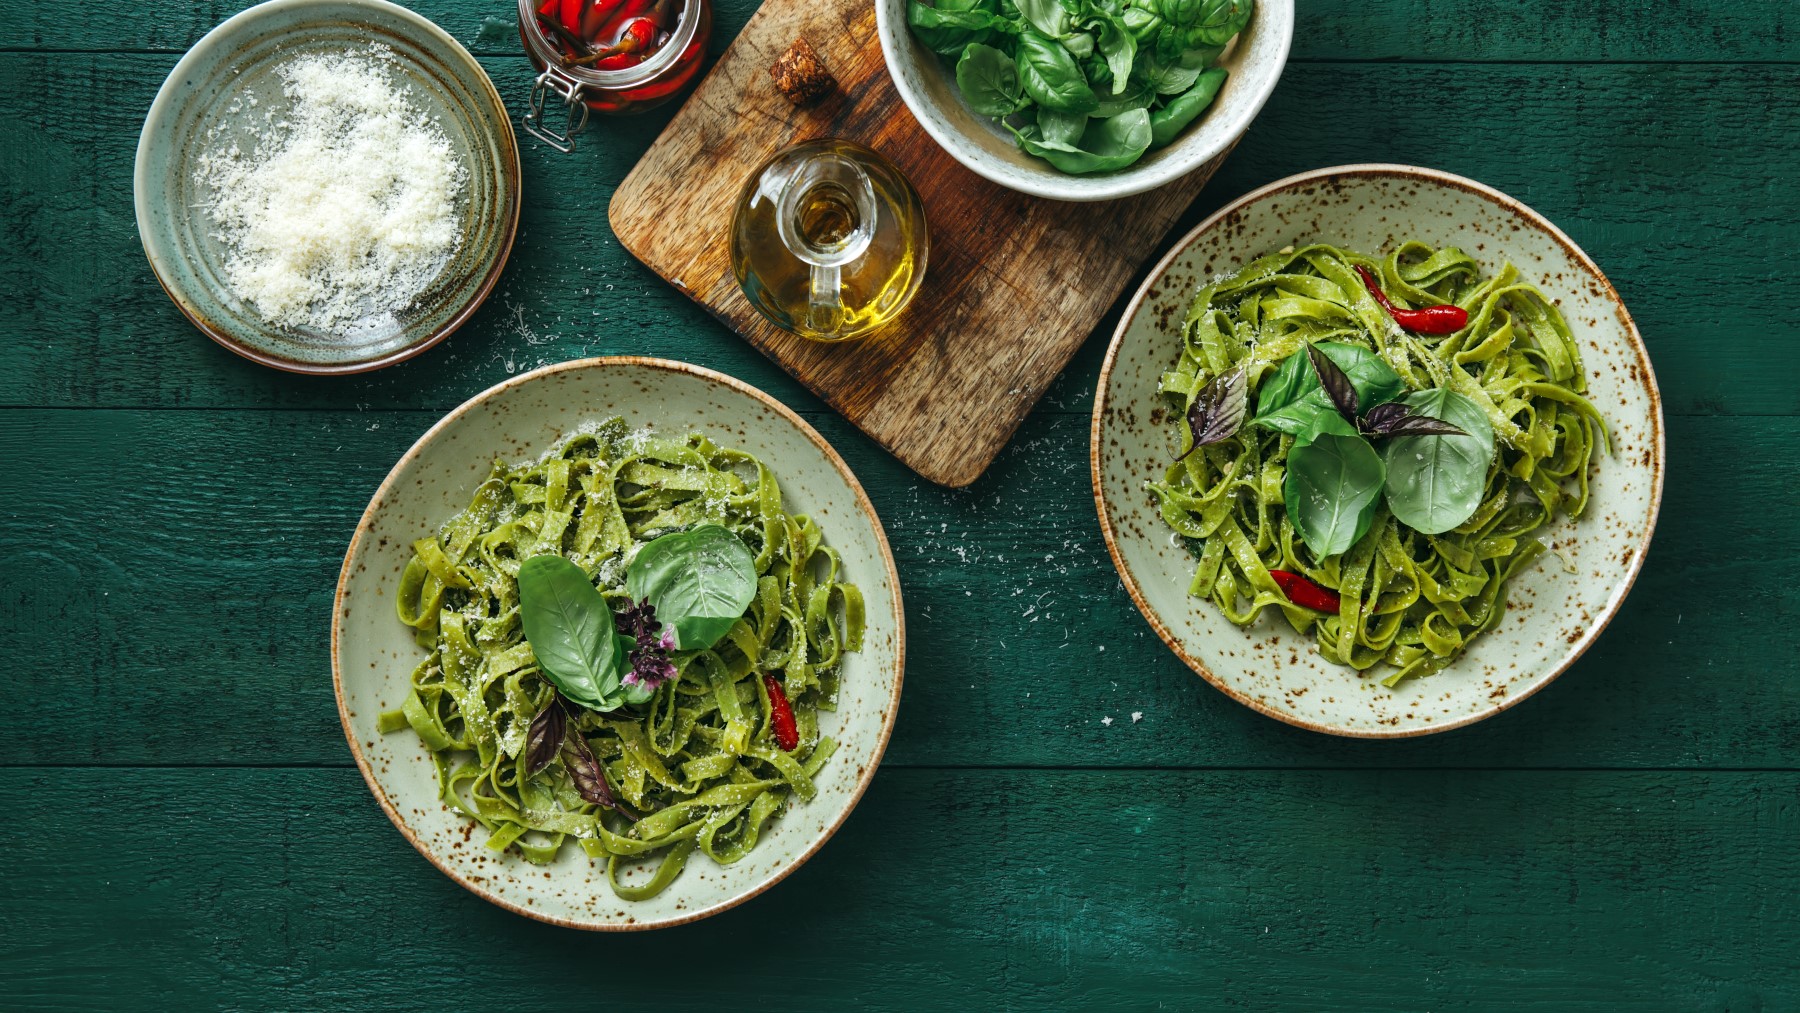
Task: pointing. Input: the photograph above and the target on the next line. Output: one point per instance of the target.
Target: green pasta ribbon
(1412, 600)
(698, 760)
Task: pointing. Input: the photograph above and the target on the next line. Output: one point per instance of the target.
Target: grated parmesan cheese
(347, 208)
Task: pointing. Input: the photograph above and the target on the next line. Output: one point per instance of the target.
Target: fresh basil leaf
(1333, 486)
(1335, 382)
(1181, 12)
(1170, 43)
(1200, 58)
(1050, 77)
(1080, 45)
(1061, 128)
(1141, 23)
(1297, 416)
(1106, 145)
(989, 80)
(544, 737)
(1137, 95)
(1326, 421)
(700, 580)
(949, 25)
(1436, 482)
(1120, 51)
(1185, 108)
(1373, 381)
(1217, 412)
(1047, 16)
(1292, 380)
(1162, 74)
(1220, 20)
(570, 629)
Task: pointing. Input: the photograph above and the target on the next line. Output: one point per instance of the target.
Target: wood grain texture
(944, 386)
(991, 890)
(197, 586)
(165, 574)
(1678, 205)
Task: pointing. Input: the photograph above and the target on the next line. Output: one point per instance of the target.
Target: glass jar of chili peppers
(608, 56)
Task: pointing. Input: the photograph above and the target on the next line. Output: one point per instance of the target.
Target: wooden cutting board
(1013, 286)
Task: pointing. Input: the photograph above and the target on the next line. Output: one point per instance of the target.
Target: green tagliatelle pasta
(1410, 599)
(698, 761)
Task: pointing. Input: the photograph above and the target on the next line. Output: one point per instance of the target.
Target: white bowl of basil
(1085, 100)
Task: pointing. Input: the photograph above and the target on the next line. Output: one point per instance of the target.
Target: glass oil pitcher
(828, 240)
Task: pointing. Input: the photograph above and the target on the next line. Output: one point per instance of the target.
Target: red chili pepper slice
(1305, 593)
(639, 37)
(570, 15)
(781, 716)
(555, 32)
(621, 16)
(1429, 320)
(642, 33)
(618, 61)
(596, 17)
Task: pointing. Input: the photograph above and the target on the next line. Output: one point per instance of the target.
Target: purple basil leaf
(1396, 419)
(1423, 425)
(650, 666)
(1336, 383)
(545, 736)
(1380, 417)
(589, 776)
(1218, 411)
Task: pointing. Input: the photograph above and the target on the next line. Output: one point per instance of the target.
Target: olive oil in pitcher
(828, 240)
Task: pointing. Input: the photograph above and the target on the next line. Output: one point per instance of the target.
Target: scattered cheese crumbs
(1107, 721)
(346, 209)
(1137, 716)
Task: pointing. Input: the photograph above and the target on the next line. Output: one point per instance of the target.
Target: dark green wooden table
(186, 830)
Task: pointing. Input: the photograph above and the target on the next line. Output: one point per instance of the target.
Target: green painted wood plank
(1469, 30)
(168, 582)
(1315, 890)
(1679, 199)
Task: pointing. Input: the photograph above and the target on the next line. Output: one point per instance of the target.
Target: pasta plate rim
(890, 708)
(1621, 586)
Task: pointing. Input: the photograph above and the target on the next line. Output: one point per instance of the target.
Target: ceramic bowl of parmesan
(1554, 608)
(327, 186)
(522, 419)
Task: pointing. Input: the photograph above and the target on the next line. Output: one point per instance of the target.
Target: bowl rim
(161, 108)
(1062, 186)
(365, 525)
(1440, 178)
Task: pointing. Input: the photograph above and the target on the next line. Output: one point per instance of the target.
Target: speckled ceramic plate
(1554, 613)
(373, 655)
(236, 63)
(928, 87)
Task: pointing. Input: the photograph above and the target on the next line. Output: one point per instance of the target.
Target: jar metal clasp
(554, 80)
